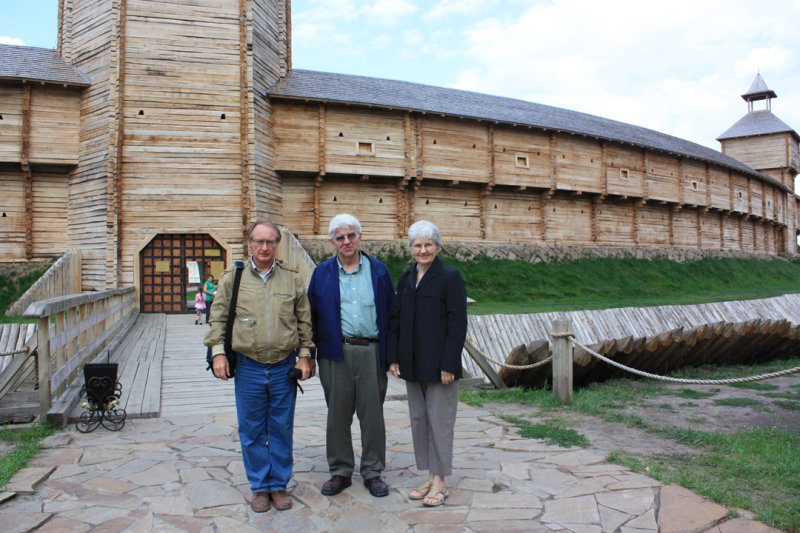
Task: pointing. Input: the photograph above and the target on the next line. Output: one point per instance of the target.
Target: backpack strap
(237, 278)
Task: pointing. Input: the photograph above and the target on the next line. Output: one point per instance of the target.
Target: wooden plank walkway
(139, 356)
(187, 387)
(162, 372)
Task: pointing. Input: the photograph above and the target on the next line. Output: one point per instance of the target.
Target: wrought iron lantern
(100, 396)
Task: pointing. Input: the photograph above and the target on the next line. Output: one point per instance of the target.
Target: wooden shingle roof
(306, 85)
(27, 63)
(761, 122)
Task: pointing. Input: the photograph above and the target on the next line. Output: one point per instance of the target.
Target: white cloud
(11, 40)
(444, 9)
(388, 12)
(656, 65)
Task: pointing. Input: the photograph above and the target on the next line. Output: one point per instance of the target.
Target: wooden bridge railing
(71, 331)
(62, 278)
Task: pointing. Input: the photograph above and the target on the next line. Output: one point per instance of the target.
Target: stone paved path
(183, 472)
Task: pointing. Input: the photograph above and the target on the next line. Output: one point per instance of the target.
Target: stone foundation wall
(320, 250)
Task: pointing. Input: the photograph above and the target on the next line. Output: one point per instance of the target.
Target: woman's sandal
(439, 495)
(421, 491)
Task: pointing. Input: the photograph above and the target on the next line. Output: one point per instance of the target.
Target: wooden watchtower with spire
(762, 140)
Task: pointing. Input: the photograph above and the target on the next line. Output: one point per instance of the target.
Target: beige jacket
(272, 318)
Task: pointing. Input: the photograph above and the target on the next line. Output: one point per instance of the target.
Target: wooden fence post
(43, 357)
(562, 362)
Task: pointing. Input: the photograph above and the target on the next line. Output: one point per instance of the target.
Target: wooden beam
(243, 117)
(483, 364)
(26, 171)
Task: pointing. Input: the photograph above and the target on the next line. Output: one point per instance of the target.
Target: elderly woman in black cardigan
(427, 329)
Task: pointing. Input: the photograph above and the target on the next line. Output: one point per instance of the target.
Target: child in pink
(199, 307)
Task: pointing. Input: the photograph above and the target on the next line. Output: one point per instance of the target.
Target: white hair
(343, 220)
(422, 229)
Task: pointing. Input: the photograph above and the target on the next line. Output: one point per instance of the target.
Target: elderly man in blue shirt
(351, 295)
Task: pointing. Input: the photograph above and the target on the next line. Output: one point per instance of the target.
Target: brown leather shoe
(281, 500)
(260, 503)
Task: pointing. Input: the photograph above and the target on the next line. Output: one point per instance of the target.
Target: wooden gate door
(173, 267)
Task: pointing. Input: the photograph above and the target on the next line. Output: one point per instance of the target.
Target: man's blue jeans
(265, 400)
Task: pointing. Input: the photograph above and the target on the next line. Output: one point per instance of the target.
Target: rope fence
(564, 343)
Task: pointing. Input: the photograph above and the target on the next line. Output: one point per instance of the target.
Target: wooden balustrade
(74, 330)
(62, 278)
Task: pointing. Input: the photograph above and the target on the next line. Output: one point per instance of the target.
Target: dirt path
(699, 407)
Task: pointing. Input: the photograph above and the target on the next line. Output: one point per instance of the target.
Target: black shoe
(335, 485)
(376, 486)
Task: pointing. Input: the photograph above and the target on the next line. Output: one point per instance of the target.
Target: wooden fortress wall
(482, 181)
(174, 135)
(38, 146)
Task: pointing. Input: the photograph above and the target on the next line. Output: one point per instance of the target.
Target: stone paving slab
(185, 474)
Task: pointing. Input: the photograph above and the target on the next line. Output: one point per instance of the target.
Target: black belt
(358, 341)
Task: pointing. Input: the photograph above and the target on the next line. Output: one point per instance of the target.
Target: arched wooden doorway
(173, 267)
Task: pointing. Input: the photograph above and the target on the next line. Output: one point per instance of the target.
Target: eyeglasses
(350, 237)
(260, 243)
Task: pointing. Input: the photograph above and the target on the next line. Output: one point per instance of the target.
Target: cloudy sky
(678, 66)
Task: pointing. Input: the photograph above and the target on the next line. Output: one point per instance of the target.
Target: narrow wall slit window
(365, 148)
(624, 174)
(694, 186)
(521, 161)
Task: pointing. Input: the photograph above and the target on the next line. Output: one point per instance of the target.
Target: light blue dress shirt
(357, 301)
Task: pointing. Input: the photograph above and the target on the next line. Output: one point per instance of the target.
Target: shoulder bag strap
(237, 278)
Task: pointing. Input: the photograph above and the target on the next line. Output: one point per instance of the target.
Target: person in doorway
(351, 295)
(428, 326)
(210, 290)
(272, 327)
(199, 307)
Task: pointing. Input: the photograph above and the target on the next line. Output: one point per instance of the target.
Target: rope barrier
(571, 336)
(685, 380)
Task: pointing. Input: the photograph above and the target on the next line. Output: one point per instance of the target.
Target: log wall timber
(376, 204)
(515, 217)
(694, 182)
(456, 210)
(568, 219)
(183, 160)
(614, 222)
(684, 228)
(763, 151)
(578, 165)
(296, 132)
(11, 132)
(648, 338)
(521, 159)
(175, 116)
(88, 38)
(12, 228)
(364, 144)
(50, 193)
(516, 184)
(53, 118)
(624, 172)
(455, 150)
(653, 225)
(270, 32)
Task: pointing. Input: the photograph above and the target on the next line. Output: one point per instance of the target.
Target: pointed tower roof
(757, 122)
(758, 90)
(761, 122)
